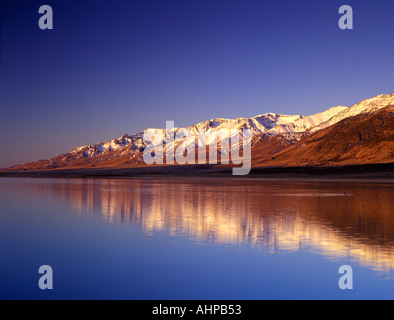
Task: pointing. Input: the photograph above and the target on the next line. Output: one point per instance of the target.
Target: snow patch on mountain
(366, 106)
(291, 127)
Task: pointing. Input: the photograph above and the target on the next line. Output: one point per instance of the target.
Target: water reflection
(338, 220)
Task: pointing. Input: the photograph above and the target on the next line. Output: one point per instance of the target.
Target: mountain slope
(361, 139)
(276, 139)
(365, 106)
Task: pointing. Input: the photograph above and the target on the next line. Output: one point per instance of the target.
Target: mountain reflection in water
(334, 219)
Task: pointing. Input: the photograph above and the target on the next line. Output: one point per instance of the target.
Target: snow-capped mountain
(366, 137)
(269, 124)
(366, 106)
(128, 149)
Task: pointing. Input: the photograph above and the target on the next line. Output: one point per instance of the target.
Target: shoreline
(356, 173)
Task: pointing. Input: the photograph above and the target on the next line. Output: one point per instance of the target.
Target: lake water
(195, 238)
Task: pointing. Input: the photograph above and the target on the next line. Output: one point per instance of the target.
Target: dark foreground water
(195, 239)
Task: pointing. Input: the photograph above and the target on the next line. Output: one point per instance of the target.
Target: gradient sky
(114, 67)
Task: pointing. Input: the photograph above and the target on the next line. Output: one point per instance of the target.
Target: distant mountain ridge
(365, 138)
(272, 136)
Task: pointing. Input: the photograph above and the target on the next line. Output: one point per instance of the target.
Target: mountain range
(359, 134)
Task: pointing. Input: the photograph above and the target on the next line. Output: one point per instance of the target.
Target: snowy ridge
(365, 106)
(292, 127)
(269, 124)
(306, 123)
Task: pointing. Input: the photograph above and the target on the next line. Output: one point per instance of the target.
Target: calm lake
(197, 238)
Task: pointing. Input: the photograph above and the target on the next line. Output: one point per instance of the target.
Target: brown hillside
(362, 139)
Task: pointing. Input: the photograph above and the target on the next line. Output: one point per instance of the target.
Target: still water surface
(195, 238)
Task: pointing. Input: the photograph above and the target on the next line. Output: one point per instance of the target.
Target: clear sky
(114, 67)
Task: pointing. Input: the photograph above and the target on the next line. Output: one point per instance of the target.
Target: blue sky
(114, 67)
